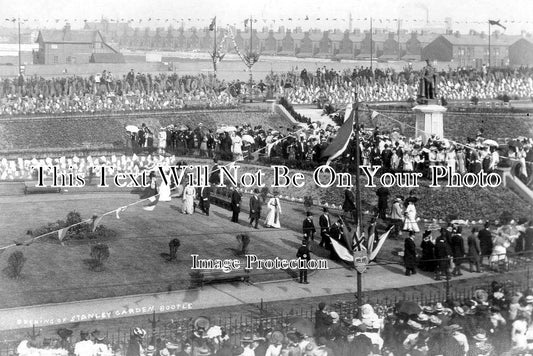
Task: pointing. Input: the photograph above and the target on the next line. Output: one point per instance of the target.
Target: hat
(164, 352)
(139, 332)
(237, 350)
(480, 335)
(277, 337)
(453, 327)
(414, 325)
(150, 349)
(98, 335)
(439, 307)
(529, 299)
(171, 346)
(422, 317)
(460, 311)
(334, 315)
(309, 213)
(310, 347)
(433, 319)
(203, 351)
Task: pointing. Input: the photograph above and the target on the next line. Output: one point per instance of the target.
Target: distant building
(68, 46)
(521, 52)
(470, 50)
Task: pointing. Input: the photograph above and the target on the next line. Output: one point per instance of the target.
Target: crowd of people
(493, 321)
(336, 88)
(145, 91)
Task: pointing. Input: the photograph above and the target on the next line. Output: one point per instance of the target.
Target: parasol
(228, 128)
(132, 128)
(515, 143)
(248, 138)
(408, 307)
(490, 143)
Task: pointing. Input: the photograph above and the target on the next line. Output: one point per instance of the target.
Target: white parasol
(490, 143)
(132, 128)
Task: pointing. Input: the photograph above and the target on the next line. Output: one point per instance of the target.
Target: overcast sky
(270, 12)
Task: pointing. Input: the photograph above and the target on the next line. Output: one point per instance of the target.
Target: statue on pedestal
(428, 83)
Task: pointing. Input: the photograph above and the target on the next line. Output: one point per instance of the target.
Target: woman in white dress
(410, 223)
(274, 212)
(188, 199)
(236, 147)
(451, 158)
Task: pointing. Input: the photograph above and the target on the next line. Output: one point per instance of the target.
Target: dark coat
(528, 239)
(442, 252)
(458, 247)
(308, 227)
(322, 323)
(303, 253)
(427, 262)
(485, 242)
(236, 201)
(204, 194)
(349, 200)
(474, 248)
(325, 222)
(409, 253)
(255, 208)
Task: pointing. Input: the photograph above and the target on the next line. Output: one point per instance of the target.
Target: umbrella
(228, 128)
(490, 143)
(132, 128)
(515, 143)
(408, 307)
(248, 138)
(302, 325)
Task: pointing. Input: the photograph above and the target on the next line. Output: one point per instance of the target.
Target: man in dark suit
(214, 177)
(322, 320)
(303, 254)
(485, 242)
(309, 227)
(409, 254)
(325, 224)
(348, 206)
(386, 159)
(235, 205)
(255, 208)
(383, 201)
(528, 239)
(204, 196)
(301, 149)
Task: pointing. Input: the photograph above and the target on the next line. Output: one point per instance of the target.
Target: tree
(15, 262)
(99, 254)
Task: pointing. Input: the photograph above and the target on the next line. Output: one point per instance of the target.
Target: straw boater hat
(458, 310)
(480, 335)
(139, 332)
(529, 299)
(277, 337)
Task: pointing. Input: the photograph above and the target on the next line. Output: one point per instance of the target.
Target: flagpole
(371, 49)
(489, 45)
(355, 112)
(250, 67)
(215, 51)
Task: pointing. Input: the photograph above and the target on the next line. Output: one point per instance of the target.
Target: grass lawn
(55, 273)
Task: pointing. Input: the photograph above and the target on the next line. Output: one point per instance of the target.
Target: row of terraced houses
(464, 49)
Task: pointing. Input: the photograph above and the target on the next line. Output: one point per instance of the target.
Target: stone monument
(429, 114)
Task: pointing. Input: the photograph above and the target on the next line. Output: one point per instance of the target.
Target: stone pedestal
(429, 121)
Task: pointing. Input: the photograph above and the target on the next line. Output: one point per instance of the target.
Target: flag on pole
(213, 24)
(358, 240)
(381, 241)
(119, 210)
(246, 22)
(341, 251)
(61, 233)
(374, 114)
(497, 23)
(152, 203)
(341, 141)
(96, 222)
